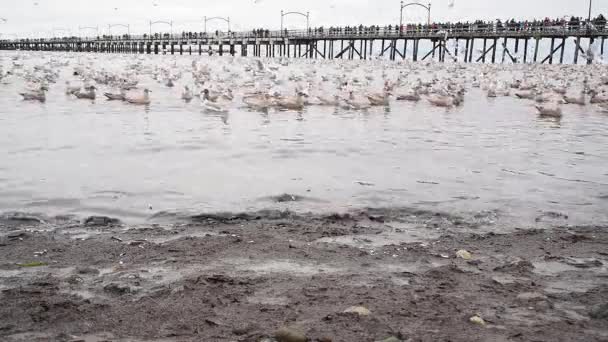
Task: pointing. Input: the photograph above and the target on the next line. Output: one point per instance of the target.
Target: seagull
(187, 94)
(116, 97)
(143, 100)
(210, 106)
(36, 95)
(69, 89)
(549, 111)
(89, 95)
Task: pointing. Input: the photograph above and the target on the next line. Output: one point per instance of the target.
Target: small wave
(23, 217)
(284, 198)
(114, 193)
(55, 202)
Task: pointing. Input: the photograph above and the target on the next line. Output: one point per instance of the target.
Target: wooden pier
(344, 44)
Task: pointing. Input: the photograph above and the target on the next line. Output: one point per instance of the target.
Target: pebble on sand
(477, 320)
(360, 310)
(463, 254)
(600, 312)
(390, 339)
(286, 334)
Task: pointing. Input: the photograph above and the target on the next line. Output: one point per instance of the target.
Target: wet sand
(242, 277)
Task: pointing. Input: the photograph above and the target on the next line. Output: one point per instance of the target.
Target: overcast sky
(40, 17)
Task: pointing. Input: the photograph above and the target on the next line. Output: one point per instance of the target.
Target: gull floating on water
(292, 102)
(117, 97)
(187, 94)
(140, 100)
(69, 89)
(88, 95)
(211, 106)
(354, 103)
(35, 95)
(554, 111)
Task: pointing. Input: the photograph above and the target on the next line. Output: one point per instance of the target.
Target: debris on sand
(599, 312)
(286, 334)
(359, 310)
(464, 254)
(101, 221)
(390, 339)
(33, 264)
(477, 320)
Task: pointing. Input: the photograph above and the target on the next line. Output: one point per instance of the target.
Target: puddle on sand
(280, 301)
(84, 294)
(30, 337)
(164, 275)
(34, 271)
(413, 267)
(81, 233)
(572, 285)
(98, 337)
(573, 312)
(527, 317)
(570, 277)
(280, 266)
(149, 277)
(552, 268)
(400, 281)
(396, 234)
(197, 234)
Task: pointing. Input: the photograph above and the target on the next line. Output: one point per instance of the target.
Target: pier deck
(345, 43)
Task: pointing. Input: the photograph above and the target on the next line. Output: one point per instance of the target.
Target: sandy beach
(370, 275)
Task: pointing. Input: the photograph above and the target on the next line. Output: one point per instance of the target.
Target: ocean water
(490, 156)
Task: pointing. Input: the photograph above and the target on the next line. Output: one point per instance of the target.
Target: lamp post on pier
(110, 26)
(404, 5)
(307, 16)
(93, 28)
(227, 20)
(170, 23)
(55, 29)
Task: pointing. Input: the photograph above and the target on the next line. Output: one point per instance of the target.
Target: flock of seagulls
(222, 84)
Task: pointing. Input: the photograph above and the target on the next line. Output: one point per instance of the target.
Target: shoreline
(257, 276)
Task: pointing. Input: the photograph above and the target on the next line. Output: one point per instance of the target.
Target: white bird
(211, 106)
(379, 99)
(412, 96)
(116, 97)
(353, 103)
(69, 89)
(292, 102)
(187, 94)
(141, 100)
(576, 100)
(441, 100)
(526, 94)
(88, 95)
(554, 111)
(35, 95)
(261, 102)
(598, 98)
(328, 101)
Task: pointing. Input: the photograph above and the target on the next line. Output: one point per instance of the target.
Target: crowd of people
(568, 24)
(571, 24)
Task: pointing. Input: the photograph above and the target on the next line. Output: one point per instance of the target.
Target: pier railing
(413, 31)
